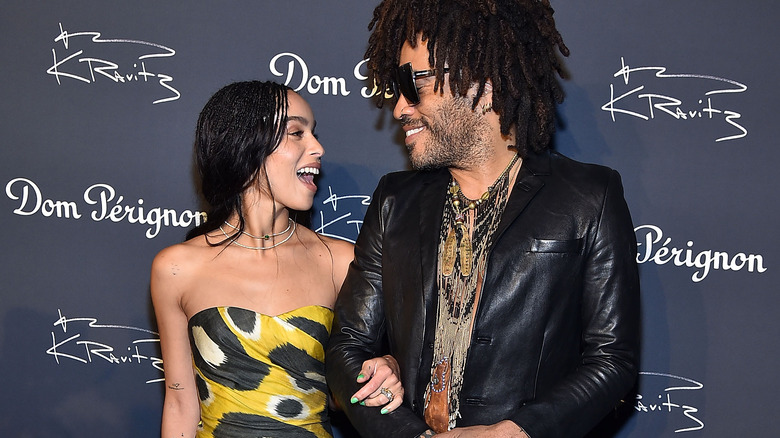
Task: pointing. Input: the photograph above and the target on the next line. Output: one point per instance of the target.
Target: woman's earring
(486, 108)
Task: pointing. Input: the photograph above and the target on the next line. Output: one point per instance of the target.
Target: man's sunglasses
(405, 82)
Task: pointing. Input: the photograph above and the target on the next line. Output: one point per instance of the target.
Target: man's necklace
(463, 206)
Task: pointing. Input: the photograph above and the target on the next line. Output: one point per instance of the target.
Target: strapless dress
(260, 375)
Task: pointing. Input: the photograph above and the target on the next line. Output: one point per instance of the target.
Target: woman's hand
(382, 378)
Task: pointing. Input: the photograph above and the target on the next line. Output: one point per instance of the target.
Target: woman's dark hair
(241, 125)
(512, 43)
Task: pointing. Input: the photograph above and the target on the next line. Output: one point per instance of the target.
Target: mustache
(405, 121)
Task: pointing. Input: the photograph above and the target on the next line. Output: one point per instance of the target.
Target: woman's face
(291, 168)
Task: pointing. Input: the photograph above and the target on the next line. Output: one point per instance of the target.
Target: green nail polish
(363, 403)
(383, 411)
(360, 376)
(353, 400)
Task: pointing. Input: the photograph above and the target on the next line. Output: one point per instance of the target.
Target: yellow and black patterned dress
(259, 375)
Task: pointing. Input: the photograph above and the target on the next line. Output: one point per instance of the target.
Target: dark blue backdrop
(99, 102)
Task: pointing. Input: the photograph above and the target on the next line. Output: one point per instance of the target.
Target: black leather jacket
(556, 335)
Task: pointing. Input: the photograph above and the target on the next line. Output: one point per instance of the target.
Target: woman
(247, 299)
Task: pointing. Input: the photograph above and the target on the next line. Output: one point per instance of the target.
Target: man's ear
(487, 92)
(488, 88)
(485, 103)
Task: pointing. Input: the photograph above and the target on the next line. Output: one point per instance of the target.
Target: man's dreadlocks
(509, 42)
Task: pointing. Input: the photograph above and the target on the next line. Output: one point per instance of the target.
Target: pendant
(448, 257)
(439, 379)
(466, 255)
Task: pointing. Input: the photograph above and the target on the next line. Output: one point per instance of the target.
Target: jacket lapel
(433, 196)
(527, 184)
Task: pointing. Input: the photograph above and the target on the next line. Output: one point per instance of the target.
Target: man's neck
(475, 179)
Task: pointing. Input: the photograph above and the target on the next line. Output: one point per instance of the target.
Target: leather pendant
(466, 255)
(437, 410)
(448, 258)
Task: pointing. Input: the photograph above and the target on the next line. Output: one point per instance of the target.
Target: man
(502, 276)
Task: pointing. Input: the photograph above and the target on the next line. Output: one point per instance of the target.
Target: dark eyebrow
(300, 119)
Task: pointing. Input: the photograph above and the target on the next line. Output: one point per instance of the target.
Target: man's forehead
(417, 55)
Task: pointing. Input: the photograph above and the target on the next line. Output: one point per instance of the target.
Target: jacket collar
(528, 182)
(433, 197)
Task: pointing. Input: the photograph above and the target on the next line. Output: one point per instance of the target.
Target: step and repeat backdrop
(98, 109)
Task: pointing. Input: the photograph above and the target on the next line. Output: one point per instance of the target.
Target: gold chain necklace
(462, 206)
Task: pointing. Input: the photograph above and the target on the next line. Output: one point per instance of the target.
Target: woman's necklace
(264, 236)
(234, 238)
(462, 206)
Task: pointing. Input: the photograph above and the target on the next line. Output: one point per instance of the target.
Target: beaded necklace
(467, 230)
(462, 206)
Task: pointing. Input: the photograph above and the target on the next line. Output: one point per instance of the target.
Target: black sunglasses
(405, 82)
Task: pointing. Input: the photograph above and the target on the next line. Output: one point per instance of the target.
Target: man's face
(441, 130)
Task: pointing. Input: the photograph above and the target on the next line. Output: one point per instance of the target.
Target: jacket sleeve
(359, 330)
(609, 331)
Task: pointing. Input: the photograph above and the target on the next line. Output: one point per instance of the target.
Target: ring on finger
(387, 393)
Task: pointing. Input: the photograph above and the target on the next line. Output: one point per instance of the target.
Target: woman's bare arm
(181, 410)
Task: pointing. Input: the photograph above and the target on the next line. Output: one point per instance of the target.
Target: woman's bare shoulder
(341, 249)
(184, 252)
(183, 261)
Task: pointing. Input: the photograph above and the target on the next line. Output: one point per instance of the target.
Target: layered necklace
(291, 225)
(463, 207)
(467, 231)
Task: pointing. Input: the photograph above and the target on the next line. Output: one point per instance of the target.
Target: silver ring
(387, 393)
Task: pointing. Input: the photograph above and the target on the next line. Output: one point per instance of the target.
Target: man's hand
(502, 429)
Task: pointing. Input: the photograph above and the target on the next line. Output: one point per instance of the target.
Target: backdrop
(99, 103)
